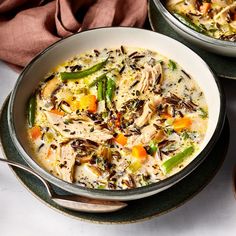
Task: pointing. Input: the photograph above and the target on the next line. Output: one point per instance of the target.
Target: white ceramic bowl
(114, 37)
(222, 47)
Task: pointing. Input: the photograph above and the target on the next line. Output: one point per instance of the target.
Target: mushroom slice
(50, 87)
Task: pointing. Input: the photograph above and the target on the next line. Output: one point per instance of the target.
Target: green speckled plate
(223, 66)
(137, 210)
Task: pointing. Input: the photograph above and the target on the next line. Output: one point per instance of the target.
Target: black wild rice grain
(122, 49)
(186, 74)
(122, 69)
(132, 54)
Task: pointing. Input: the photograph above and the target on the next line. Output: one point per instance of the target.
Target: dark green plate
(139, 209)
(223, 66)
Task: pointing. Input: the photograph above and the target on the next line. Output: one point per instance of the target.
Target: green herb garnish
(172, 65)
(204, 114)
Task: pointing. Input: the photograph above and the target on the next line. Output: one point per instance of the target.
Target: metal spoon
(73, 202)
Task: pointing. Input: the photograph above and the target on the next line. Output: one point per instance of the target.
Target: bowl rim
(206, 39)
(127, 194)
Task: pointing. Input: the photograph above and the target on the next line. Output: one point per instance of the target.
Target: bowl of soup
(210, 24)
(119, 118)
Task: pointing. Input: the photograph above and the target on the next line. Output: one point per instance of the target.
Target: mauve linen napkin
(27, 27)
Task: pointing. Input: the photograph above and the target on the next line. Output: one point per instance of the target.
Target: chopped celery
(135, 166)
(174, 161)
(152, 147)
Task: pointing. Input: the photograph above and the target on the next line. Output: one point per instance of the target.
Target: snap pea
(174, 161)
(110, 89)
(32, 110)
(83, 73)
(187, 21)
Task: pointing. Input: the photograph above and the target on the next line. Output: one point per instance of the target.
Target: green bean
(32, 110)
(101, 90)
(110, 89)
(83, 73)
(174, 161)
(98, 79)
(187, 21)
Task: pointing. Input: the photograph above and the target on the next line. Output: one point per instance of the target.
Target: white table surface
(211, 212)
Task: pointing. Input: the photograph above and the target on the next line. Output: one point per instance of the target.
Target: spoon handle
(72, 202)
(20, 166)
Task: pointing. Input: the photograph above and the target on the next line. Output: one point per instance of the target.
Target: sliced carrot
(117, 122)
(139, 151)
(165, 116)
(35, 132)
(205, 7)
(74, 105)
(85, 159)
(57, 112)
(89, 103)
(49, 152)
(121, 139)
(182, 123)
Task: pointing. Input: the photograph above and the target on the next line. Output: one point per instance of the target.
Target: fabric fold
(28, 27)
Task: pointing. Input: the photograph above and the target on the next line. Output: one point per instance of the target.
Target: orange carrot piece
(182, 123)
(57, 112)
(121, 139)
(74, 105)
(88, 102)
(165, 116)
(35, 132)
(85, 159)
(139, 151)
(49, 152)
(205, 7)
(117, 122)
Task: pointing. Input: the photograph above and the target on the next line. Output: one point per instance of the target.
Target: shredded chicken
(148, 111)
(151, 77)
(67, 162)
(148, 133)
(82, 130)
(221, 17)
(222, 3)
